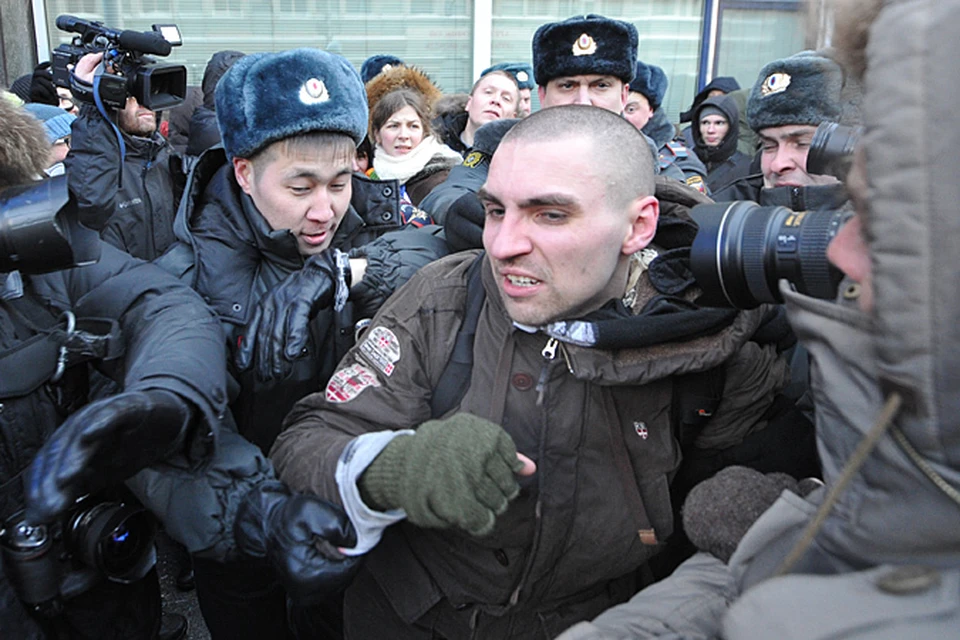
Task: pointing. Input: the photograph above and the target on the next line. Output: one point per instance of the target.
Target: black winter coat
(170, 341)
(238, 258)
(132, 204)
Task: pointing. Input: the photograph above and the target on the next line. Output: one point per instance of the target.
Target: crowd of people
(392, 363)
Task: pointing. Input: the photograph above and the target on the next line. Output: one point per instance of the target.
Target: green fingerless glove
(457, 472)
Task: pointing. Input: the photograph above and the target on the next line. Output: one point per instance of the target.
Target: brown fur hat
(401, 77)
(24, 147)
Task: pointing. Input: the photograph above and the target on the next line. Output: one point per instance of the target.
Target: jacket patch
(382, 349)
(347, 383)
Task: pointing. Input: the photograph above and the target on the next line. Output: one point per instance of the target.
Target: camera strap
(97, 100)
(50, 345)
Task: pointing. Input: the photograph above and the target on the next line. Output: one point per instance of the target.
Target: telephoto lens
(831, 150)
(742, 250)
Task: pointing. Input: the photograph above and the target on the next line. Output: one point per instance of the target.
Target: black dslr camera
(742, 250)
(155, 86)
(105, 536)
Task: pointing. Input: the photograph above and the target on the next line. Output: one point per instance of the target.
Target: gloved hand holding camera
(278, 331)
(103, 444)
(299, 535)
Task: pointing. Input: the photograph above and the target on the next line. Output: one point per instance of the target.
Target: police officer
(790, 98)
(645, 111)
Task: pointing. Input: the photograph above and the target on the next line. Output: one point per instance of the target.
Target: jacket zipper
(549, 353)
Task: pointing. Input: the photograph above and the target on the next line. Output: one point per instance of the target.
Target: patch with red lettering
(347, 383)
(381, 347)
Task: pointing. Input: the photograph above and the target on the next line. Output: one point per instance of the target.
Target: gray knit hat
(584, 45)
(56, 121)
(266, 97)
(802, 89)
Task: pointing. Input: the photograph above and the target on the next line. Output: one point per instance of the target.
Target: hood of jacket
(727, 146)
(727, 84)
(218, 65)
(895, 509)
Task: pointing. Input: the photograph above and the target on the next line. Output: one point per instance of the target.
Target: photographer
(130, 197)
(873, 554)
(139, 326)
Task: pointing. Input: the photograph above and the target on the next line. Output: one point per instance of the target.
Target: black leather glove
(488, 137)
(298, 535)
(42, 89)
(278, 331)
(103, 444)
(464, 223)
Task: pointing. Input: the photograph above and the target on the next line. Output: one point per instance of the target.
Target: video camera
(155, 86)
(39, 231)
(742, 250)
(104, 536)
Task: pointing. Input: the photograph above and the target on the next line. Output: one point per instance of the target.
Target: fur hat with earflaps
(802, 89)
(266, 97)
(584, 45)
(405, 77)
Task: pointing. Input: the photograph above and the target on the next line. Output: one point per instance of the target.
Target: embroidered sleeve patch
(382, 348)
(347, 383)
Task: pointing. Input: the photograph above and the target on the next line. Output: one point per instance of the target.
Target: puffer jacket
(237, 258)
(132, 204)
(724, 162)
(556, 553)
(167, 339)
(886, 561)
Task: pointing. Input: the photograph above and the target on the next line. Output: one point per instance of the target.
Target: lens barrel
(742, 250)
(116, 538)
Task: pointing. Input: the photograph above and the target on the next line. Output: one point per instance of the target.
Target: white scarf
(404, 167)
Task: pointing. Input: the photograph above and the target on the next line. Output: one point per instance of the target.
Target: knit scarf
(402, 168)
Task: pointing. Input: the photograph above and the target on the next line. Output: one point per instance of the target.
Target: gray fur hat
(521, 72)
(802, 89)
(650, 81)
(265, 97)
(581, 45)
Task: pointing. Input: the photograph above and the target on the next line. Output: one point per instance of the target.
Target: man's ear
(243, 171)
(624, 96)
(541, 91)
(644, 214)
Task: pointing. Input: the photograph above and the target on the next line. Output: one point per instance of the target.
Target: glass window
(750, 38)
(436, 35)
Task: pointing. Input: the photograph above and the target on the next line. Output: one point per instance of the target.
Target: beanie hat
(265, 97)
(650, 81)
(21, 87)
(802, 89)
(590, 44)
(375, 64)
(56, 121)
(521, 72)
(712, 110)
